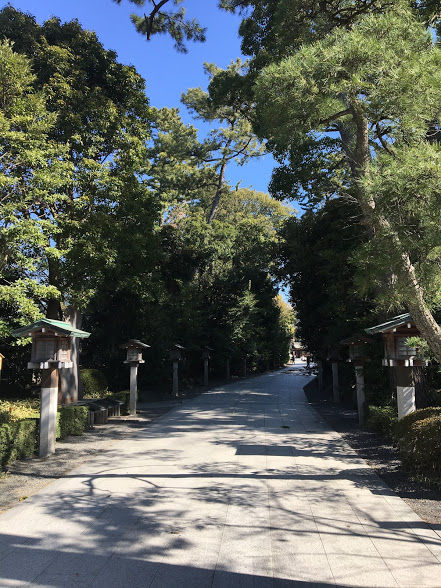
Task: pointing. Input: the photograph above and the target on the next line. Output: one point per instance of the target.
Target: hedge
(383, 419)
(72, 420)
(94, 383)
(419, 441)
(124, 396)
(18, 440)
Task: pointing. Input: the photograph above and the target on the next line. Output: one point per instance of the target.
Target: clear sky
(167, 73)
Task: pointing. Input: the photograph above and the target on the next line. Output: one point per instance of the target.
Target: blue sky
(167, 73)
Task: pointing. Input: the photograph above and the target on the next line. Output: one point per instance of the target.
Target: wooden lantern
(134, 351)
(357, 348)
(206, 352)
(175, 353)
(395, 333)
(51, 343)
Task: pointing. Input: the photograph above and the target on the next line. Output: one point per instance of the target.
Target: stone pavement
(244, 486)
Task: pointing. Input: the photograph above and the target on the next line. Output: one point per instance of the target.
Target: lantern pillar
(133, 387)
(335, 382)
(227, 369)
(359, 378)
(48, 411)
(405, 391)
(244, 366)
(206, 372)
(175, 378)
(320, 375)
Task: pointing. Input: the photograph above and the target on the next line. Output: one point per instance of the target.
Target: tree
(338, 102)
(235, 142)
(34, 174)
(100, 120)
(162, 21)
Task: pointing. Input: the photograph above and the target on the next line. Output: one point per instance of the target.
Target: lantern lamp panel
(133, 354)
(404, 350)
(45, 348)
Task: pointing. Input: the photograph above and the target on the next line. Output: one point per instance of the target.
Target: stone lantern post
(357, 355)
(134, 358)
(206, 357)
(51, 347)
(228, 354)
(175, 354)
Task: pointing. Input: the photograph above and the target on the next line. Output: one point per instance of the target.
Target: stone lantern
(176, 355)
(206, 357)
(358, 357)
(51, 345)
(134, 358)
(398, 355)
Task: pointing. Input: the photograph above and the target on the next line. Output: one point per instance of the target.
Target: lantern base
(44, 365)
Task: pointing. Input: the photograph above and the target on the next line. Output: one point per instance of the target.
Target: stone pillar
(175, 378)
(48, 411)
(359, 378)
(405, 391)
(244, 367)
(133, 387)
(335, 383)
(227, 368)
(320, 375)
(205, 373)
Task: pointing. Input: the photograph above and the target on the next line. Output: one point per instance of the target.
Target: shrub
(17, 440)
(72, 420)
(124, 396)
(383, 419)
(94, 383)
(403, 427)
(420, 446)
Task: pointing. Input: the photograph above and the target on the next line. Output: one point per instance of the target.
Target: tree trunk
(217, 196)
(414, 295)
(70, 389)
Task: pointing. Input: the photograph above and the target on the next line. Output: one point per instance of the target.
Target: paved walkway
(241, 487)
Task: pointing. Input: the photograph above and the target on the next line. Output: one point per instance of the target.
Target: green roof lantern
(51, 343)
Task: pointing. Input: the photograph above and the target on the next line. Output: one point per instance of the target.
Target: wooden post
(206, 372)
(175, 378)
(320, 375)
(335, 383)
(48, 411)
(405, 391)
(133, 387)
(227, 367)
(359, 378)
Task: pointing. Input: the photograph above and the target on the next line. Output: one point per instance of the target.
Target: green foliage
(124, 396)
(419, 440)
(403, 427)
(94, 383)
(16, 410)
(170, 22)
(72, 420)
(17, 440)
(383, 419)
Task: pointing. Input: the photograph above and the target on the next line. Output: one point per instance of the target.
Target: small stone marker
(134, 358)
(51, 345)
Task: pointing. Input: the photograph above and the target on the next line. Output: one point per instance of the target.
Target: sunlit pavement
(242, 486)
